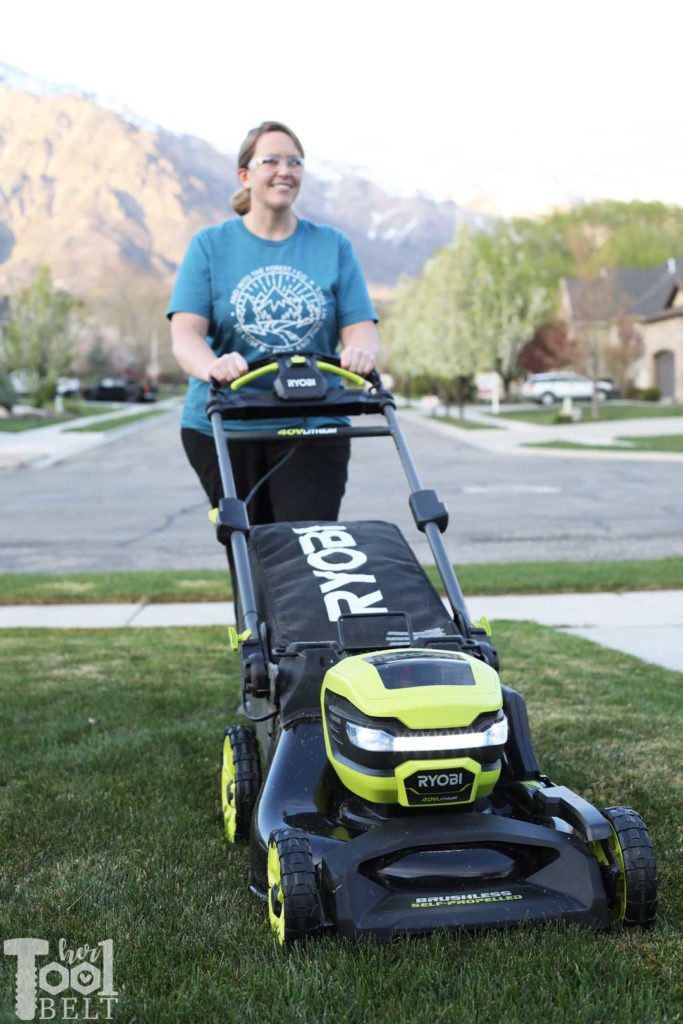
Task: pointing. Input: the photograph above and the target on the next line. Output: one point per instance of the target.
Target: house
(653, 298)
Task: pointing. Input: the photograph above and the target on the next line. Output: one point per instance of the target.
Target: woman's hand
(357, 360)
(360, 345)
(227, 368)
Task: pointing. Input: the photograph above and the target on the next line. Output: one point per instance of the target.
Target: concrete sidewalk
(48, 446)
(646, 624)
(512, 436)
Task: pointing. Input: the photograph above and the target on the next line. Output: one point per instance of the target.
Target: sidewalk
(511, 436)
(47, 446)
(646, 624)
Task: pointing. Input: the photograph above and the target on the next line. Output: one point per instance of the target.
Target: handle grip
(325, 364)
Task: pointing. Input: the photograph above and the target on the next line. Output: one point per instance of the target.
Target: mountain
(93, 191)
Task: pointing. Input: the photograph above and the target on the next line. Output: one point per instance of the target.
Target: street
(134, 503)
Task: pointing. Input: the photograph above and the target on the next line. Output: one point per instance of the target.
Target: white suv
(547, 388)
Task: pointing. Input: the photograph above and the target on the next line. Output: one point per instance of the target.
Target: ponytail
(241, 201)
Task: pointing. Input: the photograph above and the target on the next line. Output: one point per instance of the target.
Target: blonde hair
(241, 199)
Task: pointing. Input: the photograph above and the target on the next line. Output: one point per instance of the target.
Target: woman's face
(273, 186)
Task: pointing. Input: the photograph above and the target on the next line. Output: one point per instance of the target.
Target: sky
(529, 104)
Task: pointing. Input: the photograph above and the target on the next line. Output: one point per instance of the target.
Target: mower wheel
(629, 867)
(294, 907)
(240, 780)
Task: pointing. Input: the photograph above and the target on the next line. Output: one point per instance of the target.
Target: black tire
(294, 907)
(547, 398)
(632, 890)
(240, 780)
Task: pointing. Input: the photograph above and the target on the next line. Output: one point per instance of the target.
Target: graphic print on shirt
(278, 308)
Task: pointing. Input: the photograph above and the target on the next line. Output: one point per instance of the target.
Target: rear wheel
(547, 398)
(629, 867)
(294, 908)
(240, 780)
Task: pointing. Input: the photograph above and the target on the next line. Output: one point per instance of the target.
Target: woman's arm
(196, 357)
(360, 345)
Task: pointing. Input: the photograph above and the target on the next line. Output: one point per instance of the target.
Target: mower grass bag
(308, 575)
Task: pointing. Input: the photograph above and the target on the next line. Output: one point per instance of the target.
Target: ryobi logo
(332, 554)
(301, 382)
(442, 779)
(439, 786)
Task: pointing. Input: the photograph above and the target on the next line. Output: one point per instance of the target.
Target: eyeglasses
(292, 163)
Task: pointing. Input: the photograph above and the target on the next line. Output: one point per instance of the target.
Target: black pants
(309, 485)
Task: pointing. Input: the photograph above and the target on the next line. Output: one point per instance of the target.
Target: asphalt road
(134, 504)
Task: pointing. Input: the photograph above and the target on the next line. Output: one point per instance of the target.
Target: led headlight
(383, 743)
(378, 740)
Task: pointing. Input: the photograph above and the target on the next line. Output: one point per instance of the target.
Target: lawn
(665, 443)
(214, 585)
(111, 829)
(606, 411)
(465, 424)
(119, 421)
(73, 410)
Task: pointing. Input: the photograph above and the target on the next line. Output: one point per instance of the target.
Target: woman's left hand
(357, 360)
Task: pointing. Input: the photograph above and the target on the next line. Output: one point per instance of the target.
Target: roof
(642, 291)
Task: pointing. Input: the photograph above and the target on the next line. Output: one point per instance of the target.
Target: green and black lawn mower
(387, 782)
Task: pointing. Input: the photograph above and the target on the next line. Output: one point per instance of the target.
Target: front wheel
(240, 780)
(629, 868)
(294, 908)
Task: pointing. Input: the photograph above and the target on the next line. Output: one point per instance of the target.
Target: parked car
(120, 389)
(68, 386)
(547, 388)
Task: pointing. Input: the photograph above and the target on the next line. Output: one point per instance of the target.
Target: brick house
(653, 297)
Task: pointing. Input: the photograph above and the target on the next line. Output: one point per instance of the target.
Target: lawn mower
(387, 781)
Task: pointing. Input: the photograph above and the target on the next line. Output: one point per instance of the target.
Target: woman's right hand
(227, 368)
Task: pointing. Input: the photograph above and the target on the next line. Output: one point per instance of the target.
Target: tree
(433, 331)
(132, 305)
(474, 307)
(513, 303)
(41, 333)
(622, 351)
(550, 349)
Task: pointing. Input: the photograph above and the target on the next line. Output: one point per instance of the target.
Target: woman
(263, 283)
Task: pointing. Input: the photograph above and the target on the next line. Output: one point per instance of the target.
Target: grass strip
(120, 421)
(666, 443)
(214, 584)
(22, 423)
(73, 410)
(465, 424)
(606, 412)
(111, 829)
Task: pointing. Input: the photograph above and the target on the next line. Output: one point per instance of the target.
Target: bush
(8, 396)
(45, 392)
(650, 394)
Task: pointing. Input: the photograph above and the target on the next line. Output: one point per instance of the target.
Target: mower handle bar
(326, 363)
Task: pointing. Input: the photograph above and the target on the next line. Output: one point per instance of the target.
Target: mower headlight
(380, 741)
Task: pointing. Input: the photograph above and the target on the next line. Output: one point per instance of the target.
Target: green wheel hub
(240, 781)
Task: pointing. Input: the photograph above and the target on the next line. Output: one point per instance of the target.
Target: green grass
(120, 421)
(111, 829)
(18, 425)
(465, 424)
(666, 443)
(214, 584)
(73, 410)
(606, 411)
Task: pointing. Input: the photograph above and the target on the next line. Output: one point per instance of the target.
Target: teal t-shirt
(262, 297)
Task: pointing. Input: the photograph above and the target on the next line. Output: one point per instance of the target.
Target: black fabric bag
(307, 574)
